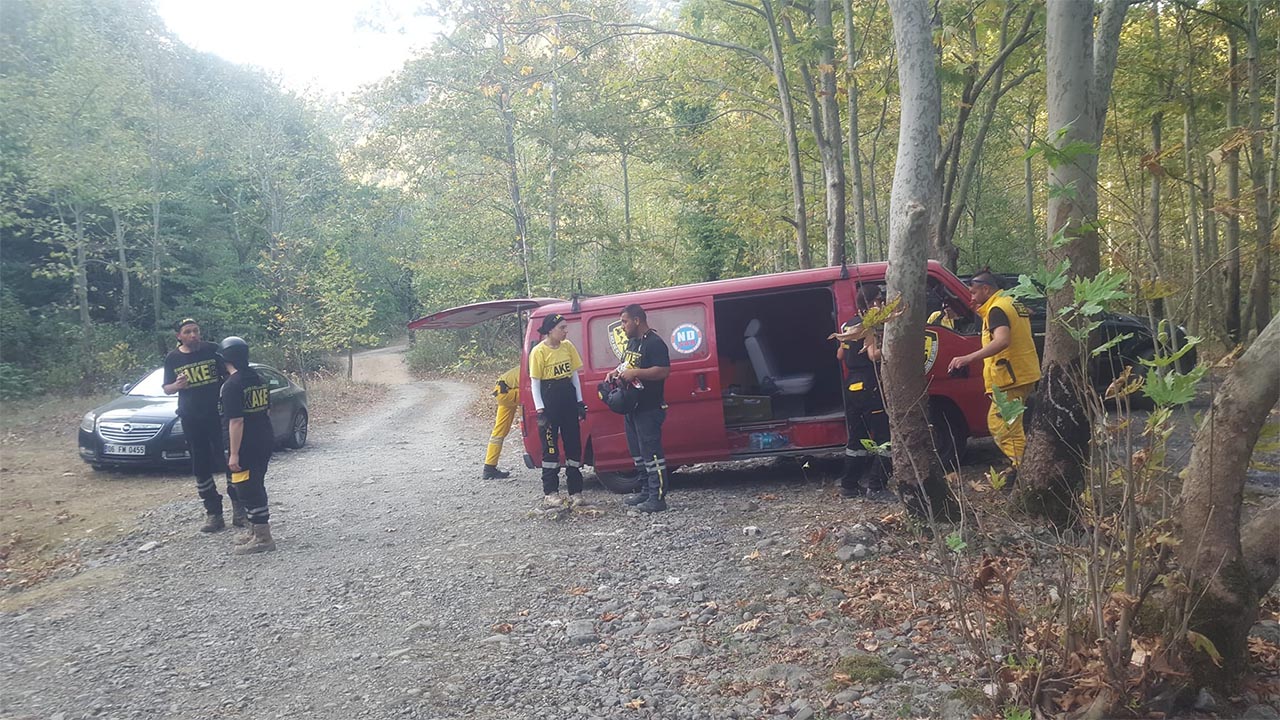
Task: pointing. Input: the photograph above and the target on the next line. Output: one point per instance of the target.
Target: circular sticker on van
(686, 339)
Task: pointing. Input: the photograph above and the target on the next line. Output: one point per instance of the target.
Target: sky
(330, 46)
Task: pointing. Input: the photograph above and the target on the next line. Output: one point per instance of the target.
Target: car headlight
(86, 422)
(177, 427)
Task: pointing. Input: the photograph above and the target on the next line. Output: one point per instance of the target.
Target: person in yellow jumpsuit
(507, 392)
(1009, 359)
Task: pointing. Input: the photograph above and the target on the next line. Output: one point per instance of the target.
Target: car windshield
(150, 386)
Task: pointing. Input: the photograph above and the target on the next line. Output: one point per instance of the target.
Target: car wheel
(298, 433)
(620, 482)
(949, 436)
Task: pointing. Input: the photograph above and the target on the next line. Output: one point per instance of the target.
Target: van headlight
(177, 427)
(86, 422)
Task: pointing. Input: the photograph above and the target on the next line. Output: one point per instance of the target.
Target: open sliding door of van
(694, 429)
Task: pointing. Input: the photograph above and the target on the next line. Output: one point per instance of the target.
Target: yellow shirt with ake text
(547, 363)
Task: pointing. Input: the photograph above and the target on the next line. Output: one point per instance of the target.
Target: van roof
(718, 288)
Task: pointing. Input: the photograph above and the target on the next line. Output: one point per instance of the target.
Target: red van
(752, 371)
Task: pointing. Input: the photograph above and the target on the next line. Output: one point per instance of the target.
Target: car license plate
(108, 449)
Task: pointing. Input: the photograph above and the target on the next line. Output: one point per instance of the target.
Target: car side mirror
(125, 388)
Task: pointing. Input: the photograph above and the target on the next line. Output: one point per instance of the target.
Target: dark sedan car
(141, 427)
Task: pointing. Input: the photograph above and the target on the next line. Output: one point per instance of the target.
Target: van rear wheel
(621, 482)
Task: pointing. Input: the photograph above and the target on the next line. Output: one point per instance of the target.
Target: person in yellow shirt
(1009, 359)
(946, 317)
(557, 396)
(507, 393)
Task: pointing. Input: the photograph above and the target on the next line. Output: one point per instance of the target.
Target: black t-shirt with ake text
(246, 395)
(646, 352)
(204, 376)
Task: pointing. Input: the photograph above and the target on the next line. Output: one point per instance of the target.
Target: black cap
(177, 327)
(549, 323)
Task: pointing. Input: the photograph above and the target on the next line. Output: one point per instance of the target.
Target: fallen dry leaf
(503, 628)
(635, 704)
(578, 590)
(750, 625)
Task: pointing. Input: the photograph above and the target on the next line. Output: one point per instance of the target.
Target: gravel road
(406, 587)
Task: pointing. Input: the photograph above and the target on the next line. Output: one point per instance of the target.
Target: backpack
(620, 397)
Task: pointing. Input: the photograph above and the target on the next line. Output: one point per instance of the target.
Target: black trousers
(561, 412)
(644, 439)
(866, 419)
(204, 444)
(250, 487)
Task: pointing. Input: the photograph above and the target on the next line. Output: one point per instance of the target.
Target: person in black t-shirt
(646, 363)
(193, 371)
(245, 402)
(864, 412)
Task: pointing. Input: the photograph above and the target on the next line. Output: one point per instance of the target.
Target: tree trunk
(832, 143)
(157, 254)
(801, 219)
(1153, 236)
(1225, 595)
(1232, 281)
(855, 152)
(1191, 226)
(513, 175)
(875, 195)
(1260, 286)
(1028, 180)
(626, 199)
(1079, 70)
(553, 185)
(81, 265)
(915, 205)
(123, 258)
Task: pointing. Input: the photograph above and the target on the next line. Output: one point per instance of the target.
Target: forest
(1121, 154)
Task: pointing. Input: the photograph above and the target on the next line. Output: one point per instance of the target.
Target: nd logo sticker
(617, 339)
(930, 349)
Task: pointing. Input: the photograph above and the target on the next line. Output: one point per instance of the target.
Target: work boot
(260, 540)
(491, 472)
(878, 478)
(552, 502)
(576, 501)
(239, 517)
(854, 467)
(652, 505)
(213, 522)
(636, 498)
(245, 537)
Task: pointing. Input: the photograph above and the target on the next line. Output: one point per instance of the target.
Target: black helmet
(235, 350)
(620, 397)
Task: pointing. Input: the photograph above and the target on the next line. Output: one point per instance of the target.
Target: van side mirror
(125, 388)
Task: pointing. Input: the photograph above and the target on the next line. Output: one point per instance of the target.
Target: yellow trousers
(502, 426)
(1010, 438)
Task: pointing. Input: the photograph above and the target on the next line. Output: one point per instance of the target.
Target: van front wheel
(621, 482)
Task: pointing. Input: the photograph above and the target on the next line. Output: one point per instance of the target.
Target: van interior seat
(764, 362)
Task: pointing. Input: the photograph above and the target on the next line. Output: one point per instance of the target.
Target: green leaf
(1067, 191)
(1010, 410)
(956, 543)
(871, 447)
(1204, 645)
(1110, 344)
(1161, 361)
(1096, 294)
(1173, 388)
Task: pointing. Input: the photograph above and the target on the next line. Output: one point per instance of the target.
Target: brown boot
(245, 537)
(213, 522)
(260, 541)
(239, 517)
